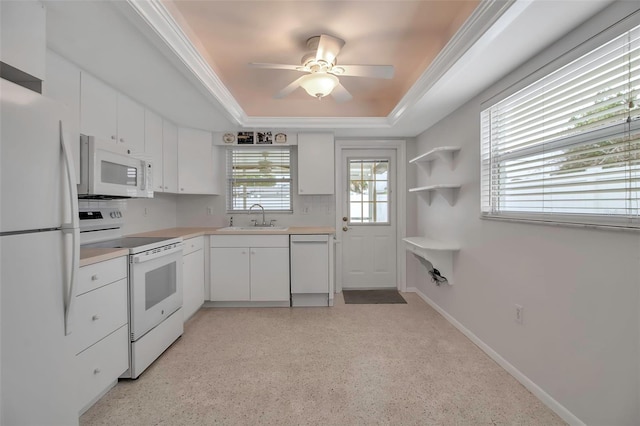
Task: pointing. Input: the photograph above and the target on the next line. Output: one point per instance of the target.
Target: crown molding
(158, 18)
(485, 15)
(318, 122)
(156, 15)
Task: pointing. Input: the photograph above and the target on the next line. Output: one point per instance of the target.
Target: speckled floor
(347, 365)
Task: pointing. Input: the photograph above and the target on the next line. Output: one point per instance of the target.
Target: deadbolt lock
(344, 219)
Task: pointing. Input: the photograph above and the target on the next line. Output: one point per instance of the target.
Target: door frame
(401, 201)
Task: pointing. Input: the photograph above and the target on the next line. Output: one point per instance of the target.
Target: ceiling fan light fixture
(319, 85)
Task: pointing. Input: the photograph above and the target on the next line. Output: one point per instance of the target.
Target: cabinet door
(195, 161)
(270, 274)
(130, 125)
(192, 283)
(23, 36)
(98, 108)
(315, 164)
(153, 146)
(229, 274)
(170, 156)
(63, 85)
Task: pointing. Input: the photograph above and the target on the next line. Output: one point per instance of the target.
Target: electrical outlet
(306, 209)
(146, 211)
(518, 314)
(210, 211)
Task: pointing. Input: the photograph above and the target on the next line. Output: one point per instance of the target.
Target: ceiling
(188, 59)
(405, 34)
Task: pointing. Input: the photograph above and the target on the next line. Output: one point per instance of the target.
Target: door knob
(344, 219)
(344, 228)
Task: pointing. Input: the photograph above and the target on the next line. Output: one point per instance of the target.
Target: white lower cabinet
(250, 268)
(101, 331)
(193, 276)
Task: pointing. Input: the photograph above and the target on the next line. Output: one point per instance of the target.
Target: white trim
(156, 15)
(485, 15)
(543, 396)
(317, 122)
(401, 200)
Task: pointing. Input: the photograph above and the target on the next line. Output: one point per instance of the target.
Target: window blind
(567, 147)
(259, 176)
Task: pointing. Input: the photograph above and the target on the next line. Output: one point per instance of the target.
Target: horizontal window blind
(259, 176)
(567, 147)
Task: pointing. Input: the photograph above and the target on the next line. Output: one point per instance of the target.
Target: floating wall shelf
(444, 153)
(439, 254)
(448, 192)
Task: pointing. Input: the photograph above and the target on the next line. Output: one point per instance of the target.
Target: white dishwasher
(310, 270)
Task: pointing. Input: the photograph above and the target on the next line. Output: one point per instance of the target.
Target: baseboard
(554, 405)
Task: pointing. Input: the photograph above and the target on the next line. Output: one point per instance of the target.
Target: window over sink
(257, 175)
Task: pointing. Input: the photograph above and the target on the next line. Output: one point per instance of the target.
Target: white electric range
(155, 284)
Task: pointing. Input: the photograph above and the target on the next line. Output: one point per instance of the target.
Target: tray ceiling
(230, 34)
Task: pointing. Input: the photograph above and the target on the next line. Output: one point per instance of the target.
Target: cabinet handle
(96, 371)
(122, 140)
(253, 252)
(95, 317)
(181, 189)
(94, 277)
(166, 187)
(113, 137)
(244, 252)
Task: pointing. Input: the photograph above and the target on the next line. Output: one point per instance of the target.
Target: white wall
(579, 340)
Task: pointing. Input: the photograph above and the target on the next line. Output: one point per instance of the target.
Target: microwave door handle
(143, 175)
(72, 228)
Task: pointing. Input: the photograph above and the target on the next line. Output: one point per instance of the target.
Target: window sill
(549, 222)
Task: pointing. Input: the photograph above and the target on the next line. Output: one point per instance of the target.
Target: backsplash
(142, 214)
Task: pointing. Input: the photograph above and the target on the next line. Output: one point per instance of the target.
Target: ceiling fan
(322, 70)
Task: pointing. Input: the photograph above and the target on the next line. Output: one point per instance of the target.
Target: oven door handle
(141, 258)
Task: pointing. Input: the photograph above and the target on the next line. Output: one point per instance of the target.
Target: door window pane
(368, 194)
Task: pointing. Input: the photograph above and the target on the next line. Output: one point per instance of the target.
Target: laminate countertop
(89, 256)
(187, 233)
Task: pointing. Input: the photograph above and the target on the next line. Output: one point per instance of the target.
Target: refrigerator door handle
(71, 227)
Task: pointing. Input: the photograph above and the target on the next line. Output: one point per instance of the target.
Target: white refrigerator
(39, 255)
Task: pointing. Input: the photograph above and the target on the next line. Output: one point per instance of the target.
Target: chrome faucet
(264, 222)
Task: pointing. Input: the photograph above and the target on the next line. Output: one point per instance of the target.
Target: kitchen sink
(254, 228)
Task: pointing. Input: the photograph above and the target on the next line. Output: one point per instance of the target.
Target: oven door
(155, 283)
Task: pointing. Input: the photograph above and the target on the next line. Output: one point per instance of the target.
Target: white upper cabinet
(63, 85)
(170, 157)
(316, 159)
(109, 115)
(23, 38)
(98, 108)
(195, 162)
(130, 125)
(153, 146)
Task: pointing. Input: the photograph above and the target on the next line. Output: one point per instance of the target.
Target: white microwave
(107, 171)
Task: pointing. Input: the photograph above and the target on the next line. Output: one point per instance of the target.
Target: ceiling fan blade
(328, 48)
(340, 94)
(373, 71)
(275, 66)
(289, 89)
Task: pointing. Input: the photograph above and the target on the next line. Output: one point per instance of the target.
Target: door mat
(372, 297)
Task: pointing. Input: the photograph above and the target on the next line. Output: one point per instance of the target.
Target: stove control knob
(112, 214)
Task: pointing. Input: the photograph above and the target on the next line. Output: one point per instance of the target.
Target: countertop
(89, 256)
(187, 233)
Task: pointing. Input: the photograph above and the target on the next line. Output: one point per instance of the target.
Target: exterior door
(368, 211)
